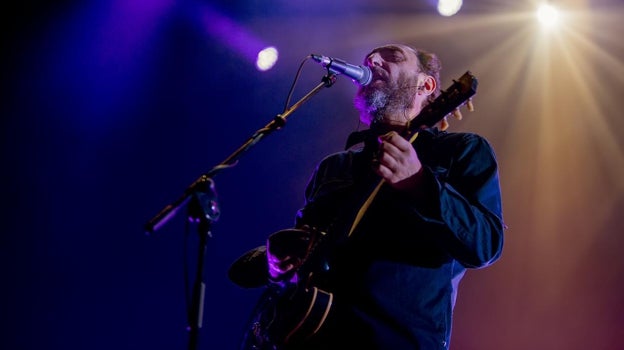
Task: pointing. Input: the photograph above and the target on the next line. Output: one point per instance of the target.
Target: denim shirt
(395, 278)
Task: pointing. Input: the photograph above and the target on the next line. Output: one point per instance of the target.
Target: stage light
(547, 15)
(449, 7)
(267, 58)
(238, 38)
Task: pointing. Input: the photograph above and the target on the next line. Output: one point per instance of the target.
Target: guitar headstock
(449, 102)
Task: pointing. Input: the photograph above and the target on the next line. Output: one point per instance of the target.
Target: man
(393, 273)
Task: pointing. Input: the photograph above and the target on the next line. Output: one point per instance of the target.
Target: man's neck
(383, 127)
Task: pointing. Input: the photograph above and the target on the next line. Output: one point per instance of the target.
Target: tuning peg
(444, 124)
(457, 114)
(469, 105)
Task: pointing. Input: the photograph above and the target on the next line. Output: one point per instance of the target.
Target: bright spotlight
(266, 58)
(548, 15)
(449, 7)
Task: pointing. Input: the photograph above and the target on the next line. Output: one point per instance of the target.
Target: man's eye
(394, 57)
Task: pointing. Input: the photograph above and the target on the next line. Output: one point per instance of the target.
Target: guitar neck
(449, 100)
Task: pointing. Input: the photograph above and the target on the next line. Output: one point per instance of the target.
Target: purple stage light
(237, 38)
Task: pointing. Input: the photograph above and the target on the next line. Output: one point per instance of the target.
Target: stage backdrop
(110, 109)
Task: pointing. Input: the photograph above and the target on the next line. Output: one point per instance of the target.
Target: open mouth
(378, 74)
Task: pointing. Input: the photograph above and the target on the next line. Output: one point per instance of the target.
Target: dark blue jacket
(395, 278)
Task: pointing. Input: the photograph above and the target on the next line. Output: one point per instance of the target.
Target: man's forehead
(392, 47)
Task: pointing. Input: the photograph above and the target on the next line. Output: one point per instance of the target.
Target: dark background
(111, 108)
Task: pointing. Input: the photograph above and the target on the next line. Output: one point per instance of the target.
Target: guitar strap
(371, 197)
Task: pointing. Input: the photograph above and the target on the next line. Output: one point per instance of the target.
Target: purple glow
(232, 35)
(99, 59)
(128, 26)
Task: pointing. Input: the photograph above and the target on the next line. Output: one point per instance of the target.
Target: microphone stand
(203, 207)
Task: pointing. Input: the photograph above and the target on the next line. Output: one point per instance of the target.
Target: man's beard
(395, 97)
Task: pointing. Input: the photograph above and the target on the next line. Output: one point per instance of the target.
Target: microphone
(360, 75)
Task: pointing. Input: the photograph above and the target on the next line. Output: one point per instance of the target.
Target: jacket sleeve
(466, 202)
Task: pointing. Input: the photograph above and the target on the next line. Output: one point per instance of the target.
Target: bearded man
(393, 277)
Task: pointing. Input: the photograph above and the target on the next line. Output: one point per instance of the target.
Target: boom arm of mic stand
(169, 211)
(203, 208)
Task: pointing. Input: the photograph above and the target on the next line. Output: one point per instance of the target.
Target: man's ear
(428, 85)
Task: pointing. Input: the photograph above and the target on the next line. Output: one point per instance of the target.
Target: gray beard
(387, 100)
(373, 104)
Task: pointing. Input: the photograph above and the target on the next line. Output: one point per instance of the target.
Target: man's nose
(374, 60)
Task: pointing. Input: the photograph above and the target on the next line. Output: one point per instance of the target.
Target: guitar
(289, 313)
